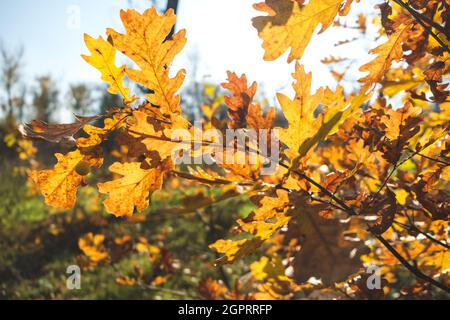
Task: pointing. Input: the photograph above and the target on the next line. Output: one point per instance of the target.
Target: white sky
(219, 33)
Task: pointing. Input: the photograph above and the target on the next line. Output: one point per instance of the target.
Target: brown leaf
(240, 100)
(56, 133)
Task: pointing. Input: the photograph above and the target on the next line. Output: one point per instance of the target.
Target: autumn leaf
(145, 42)
(103, 56)
(396, 121)
(300, 111)
(263, 223)
(92, 246)
(56, 133)
(324, 253)
(336, 110)
(258, 121)
(235, 249)
(289, 24)
(242, 97)
(132, 190)
(157, 135)
(60, 184)
(274, 283)
(96, 135)
(387, 53)
(212, 289)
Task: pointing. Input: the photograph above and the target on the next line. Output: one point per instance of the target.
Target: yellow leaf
(92, 246)
(386, 53)
(240, 100)
(60, 184)
(395, 120)
(291, 25)
(103, 56)
(262, 224)
(401, 195)
(439, 260)
(96, 135)
(145, 43)
(157, 135)
(132, 190)
(338, 110)
(270, 270)
(300, 111)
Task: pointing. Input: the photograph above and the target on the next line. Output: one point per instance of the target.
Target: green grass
(38, 243)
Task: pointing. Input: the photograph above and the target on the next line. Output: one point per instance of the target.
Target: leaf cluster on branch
(361, 180)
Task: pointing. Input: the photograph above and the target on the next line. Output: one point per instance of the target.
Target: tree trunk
(172, 4)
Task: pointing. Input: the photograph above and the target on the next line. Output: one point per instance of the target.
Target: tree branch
(408, 266)
(420, 19)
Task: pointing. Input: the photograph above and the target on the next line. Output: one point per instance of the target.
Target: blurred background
(42, 76)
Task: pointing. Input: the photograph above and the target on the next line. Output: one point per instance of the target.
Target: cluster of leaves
(361, 180)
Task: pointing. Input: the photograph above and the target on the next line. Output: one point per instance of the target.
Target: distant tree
(45, 98)
(10, 81)
(108, 100)
(80, 98)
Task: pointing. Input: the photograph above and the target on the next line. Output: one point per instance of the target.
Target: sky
(219, 32)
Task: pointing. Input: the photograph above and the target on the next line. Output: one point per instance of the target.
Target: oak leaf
(60, 184)
(96, 135)
(159, 135)
(241, 99)
(103, 56)
(324, 253)
(387, 53)
(56, 133)
(290, 24)
(300, 111)
(132, 190)
(145, 42)
(261, 224)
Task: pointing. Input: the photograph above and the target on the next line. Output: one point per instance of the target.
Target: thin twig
(415, 13)
(430, 158)
(417, 230)
(408, 266)
(418, 17)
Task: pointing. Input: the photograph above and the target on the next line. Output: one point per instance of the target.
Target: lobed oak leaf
(156, 134)
(133, 189)
(300, 111)
(400, 80)
(235, 249)
(387, 53)
(96, 135)
(262, 224)
(397, 121)
(324, 253)
(336, 110)
(240, 101)
(145, 42)
(305, 128)
(435, 71)
(60, 184)
(103, 56)
(256, 120)
(275, 283)
(291, 24)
